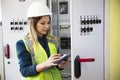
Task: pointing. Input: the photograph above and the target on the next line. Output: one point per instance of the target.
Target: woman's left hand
(64, 63)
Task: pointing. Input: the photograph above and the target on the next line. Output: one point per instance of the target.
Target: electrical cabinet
(87, 39)
(1, 55)
(15, 26)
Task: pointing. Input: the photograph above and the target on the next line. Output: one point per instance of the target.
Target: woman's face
(43, 25)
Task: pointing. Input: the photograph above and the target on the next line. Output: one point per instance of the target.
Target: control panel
(17, 25)
(88, 23)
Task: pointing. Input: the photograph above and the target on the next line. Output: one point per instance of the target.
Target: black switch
(87, 21)
(83, 29)
(12, 28)
(16, 28)
(90, 29)
(96, 21)
(20, 23)
(25, 23)
(21, 28)
(83, 22)
(16, 23)
(11, 23)
(91, 21)
(99, 21)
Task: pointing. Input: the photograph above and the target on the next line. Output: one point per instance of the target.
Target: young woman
(37, 50)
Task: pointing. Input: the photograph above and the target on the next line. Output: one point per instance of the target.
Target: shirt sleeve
(25, 61)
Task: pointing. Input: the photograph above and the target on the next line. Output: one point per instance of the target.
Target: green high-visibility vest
(40, 54)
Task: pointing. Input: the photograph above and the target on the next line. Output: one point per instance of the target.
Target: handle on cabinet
(77, 64)
(86, 60)
(7, 51)
(77, 67)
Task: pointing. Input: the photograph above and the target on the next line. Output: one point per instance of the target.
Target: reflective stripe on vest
(29, 45)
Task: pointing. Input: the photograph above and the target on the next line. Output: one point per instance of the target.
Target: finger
(68, 60)
(56, 56)
(54, 64)
(55, 60)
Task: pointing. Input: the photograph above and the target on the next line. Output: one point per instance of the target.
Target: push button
(99, 21)
(20, 23)
(16, 23)
(11, 23)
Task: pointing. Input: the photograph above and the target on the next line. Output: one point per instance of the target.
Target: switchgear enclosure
(88, 43)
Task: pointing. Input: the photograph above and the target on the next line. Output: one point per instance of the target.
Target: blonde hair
(33, 32)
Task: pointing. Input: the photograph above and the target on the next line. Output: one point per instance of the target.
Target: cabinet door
(14, 23)
(87, 39)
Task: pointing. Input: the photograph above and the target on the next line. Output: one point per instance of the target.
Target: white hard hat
(38, 9)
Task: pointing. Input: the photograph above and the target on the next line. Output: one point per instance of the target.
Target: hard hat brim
(48, 14)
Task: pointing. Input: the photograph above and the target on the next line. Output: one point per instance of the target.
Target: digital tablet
(63, 57)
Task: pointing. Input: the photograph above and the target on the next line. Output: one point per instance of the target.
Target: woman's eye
(42, 23)
(49, 22)
(45, 23)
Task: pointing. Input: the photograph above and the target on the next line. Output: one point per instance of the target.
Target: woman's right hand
(51, 60)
